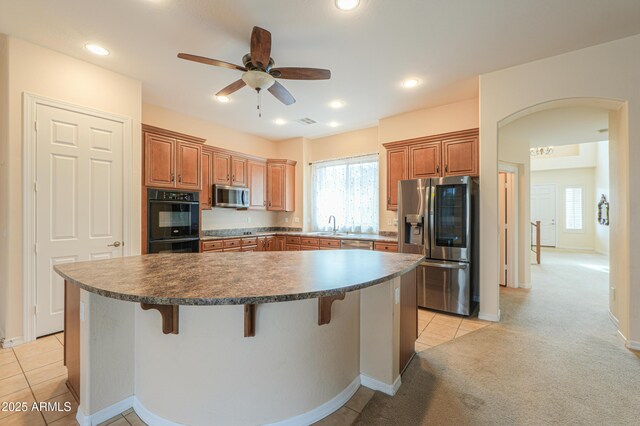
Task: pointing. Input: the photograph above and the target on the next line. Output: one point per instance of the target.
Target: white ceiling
(558, 126)
(444, 43)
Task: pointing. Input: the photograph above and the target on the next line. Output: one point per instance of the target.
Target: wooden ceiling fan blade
(260, 47)
(209, 61)
(235, 86)
(297, 73)
(281, 94)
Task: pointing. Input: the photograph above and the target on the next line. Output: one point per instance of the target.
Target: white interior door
(543, 208)
(79, 200)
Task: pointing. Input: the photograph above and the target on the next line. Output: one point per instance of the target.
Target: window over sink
(347, 189)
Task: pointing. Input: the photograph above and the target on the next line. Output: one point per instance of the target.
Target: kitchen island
(242, 338)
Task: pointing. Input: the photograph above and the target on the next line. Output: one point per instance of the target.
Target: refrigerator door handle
(445, 265)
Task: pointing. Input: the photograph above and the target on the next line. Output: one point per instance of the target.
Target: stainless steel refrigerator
(438, 218)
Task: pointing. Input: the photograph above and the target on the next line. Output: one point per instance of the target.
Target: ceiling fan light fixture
(223, 99)
(347, 4)
(258, 80)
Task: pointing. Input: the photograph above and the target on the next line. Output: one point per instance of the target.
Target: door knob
(116, 244)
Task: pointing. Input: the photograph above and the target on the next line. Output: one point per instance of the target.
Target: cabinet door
(159, 161)
(257, 180)
(238, 171)
(424, 160)
(270, 244)
(280, 243)
(396, 171)
(275, 187)
(460, 157)
(206, 193)
(262, 244)
(221, 169)
(188, 166)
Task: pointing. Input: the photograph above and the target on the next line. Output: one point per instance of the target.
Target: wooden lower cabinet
(408, 318)
(293, 247)
(72, 337)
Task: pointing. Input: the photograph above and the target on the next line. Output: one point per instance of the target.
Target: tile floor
(34, 372)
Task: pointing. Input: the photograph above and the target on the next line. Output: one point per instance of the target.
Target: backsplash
(246, 231)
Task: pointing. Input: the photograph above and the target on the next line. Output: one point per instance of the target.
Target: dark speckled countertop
(236, 278)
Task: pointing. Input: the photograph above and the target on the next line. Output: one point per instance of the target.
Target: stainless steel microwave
(230, 196)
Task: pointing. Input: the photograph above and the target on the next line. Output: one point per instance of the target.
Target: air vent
(306, 121)
(603, 130)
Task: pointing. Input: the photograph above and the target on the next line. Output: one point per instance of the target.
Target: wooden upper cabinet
(275, 187)
(171, 160)
(424, 160)
(159, 161)
(188, 166)
(460, 156)
(206, 194)
(238, 171)
(221, 168)
(257, 180)
(396, 171)
(281, 185)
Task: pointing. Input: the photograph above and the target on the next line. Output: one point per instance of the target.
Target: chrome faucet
(334, 223)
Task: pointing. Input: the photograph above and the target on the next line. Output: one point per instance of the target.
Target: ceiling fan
(259, 73)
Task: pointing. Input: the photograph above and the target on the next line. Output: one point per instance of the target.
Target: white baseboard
(10, 343)
(377, 385)
(307, 418)
(633, 345)
(105, 413)
(325, 409)
(489, 316)
(614, 319)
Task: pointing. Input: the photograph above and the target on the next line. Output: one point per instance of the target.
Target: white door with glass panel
(78, 200)
(543, 208)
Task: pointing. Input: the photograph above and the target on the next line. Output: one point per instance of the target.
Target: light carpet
(553, 359)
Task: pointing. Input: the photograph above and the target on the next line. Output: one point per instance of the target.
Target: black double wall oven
(174, 221)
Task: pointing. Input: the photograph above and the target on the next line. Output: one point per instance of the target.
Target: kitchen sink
(336, 234)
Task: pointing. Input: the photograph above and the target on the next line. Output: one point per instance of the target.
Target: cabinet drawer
(233, 249)
(324, 242)
(249, 241)
(231, 243)
(329, 248)
(211, 245)
(248, 248)
(308, 247)
(385, 247)
(293, 240)
(293, 247)
(309, 241)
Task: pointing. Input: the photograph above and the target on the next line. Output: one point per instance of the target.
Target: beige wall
(562, 178)
(609, 72)
(222, 137)
(39, 71)
(601, 186)
(4, 178)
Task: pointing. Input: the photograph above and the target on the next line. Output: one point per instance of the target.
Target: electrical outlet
(296, 219)
(248, 219)
(389, 222)
(286, 220)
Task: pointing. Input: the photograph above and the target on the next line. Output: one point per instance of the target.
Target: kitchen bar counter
(343, 318)
(340, 236)
(235, 278)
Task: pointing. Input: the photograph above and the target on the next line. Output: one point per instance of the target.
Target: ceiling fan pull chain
(259, 104)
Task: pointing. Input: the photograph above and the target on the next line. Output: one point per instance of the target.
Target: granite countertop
(365, 237)
(236, 278)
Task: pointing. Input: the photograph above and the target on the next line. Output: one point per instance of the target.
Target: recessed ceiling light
(280, 121)
(347, 4)
(223, 99)
(333, 124)
(409, 83)
(96, 50)
(336, 104)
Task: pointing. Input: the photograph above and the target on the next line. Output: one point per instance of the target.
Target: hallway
(554, 358)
